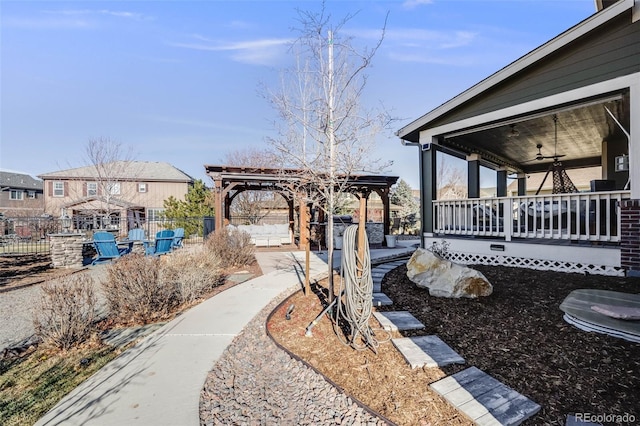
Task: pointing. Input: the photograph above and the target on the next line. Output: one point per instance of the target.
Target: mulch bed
(516, 335)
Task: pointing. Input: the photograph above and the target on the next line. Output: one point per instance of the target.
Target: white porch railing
(592, 216)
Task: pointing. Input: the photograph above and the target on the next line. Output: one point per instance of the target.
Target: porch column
(428, 187)
(522, 184)
(473, 176)
(501, 184)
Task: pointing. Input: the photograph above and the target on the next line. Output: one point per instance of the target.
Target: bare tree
(324, 129)
(112, 165)
(253, 205)
(103, 184)
(451, 182)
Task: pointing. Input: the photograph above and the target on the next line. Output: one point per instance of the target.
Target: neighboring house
(573, 102)
(103, 197)
(581, 178)
(20, 195)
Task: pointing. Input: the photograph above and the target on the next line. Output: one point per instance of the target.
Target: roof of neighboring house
(581, 178)
(112, 201)
(16, 180)
(125, 170)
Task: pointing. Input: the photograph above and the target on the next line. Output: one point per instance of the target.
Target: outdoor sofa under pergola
(573, 102)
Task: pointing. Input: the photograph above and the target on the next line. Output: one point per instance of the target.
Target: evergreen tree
(188, 214)
(401, 195)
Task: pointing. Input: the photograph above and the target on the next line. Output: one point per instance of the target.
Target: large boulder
(444, 278)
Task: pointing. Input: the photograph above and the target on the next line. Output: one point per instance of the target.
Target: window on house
(142, 187)
(16, 194)
(31, 194)
(58, 189)
(113, 188)
(155, 215)
(92, 188)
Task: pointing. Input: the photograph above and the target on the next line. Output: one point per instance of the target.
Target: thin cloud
(99, 12)
(46, 23)
(188, 122)
(416, 37)
(412, 4)
(439, 39)
(68, 19)
(240, 25)
(255, 52)
(431, 58)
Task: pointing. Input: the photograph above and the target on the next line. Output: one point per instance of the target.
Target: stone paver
(381, 299)
(398, 321)
(483, 399)
(426, 351)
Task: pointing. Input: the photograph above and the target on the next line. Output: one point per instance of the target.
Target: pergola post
(386, 211)
(227, 207)
(362, 223)
(303, 221)
(217, 201)
(292, 219)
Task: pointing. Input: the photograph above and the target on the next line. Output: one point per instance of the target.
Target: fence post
(66, 250)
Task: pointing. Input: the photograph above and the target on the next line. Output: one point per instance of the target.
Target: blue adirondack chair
(162, 245)
(178, 235)
(137, 234)
(106, 248)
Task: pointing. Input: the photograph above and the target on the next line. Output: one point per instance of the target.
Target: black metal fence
(19, 235)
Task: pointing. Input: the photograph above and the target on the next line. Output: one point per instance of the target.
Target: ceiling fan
(539, 156)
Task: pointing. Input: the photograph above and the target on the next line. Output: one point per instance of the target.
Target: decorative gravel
(16, 310)
(256, 383)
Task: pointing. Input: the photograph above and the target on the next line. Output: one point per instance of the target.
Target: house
(537, 184)
(104, 196)
(573, 102)
(20, 195)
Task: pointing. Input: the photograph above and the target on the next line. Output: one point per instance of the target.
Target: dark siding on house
(613, 50)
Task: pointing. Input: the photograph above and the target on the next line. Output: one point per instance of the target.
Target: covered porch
(572, 103)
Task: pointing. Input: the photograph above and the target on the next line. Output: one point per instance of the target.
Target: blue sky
(179, 81)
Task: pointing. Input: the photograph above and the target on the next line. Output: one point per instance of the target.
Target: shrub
(64, 316)
(135, 292)
(231, 246)
(192, 272)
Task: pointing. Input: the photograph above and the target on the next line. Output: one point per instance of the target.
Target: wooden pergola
(229, 181)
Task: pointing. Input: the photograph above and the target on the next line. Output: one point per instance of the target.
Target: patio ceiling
(513, 143)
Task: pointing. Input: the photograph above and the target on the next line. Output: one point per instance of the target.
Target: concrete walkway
(158, 381)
